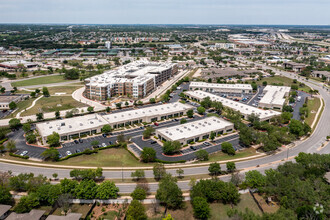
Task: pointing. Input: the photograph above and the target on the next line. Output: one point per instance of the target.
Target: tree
(26, 203)
(286, 117)
(57, 114)
(139, 193)
(121, 138)
(68, 186)
(107, 190)
(86, 189)
(26, 127)
(168, 217)
(214, 169)
(169, 193)
(51, 153)
(227, 148)
(106, 129)
(95, 143)
(40, 116)
(14, 123)
(31, 138)
(190, 113)
(201, 208)
(71, 74)
(48, 194)
(33, 94)
(287, 108)
(206, 102)
(254, 179)
(53, 140)
(108, 109)
(37, 91)
(11, 146)
(64, 202)
(180, 172)
(148, 155)
(45, 91)
(148, 132)
(159, 171)
(201, 110)
(136, 211)
(264, 83)
(202, 155)
(5, 196)
(12, 105)
(171, 147)
(55, 175)
(90, 109)
(231, 167)
(118, 105)
(152, 100)
(212, 135)
(138, 174)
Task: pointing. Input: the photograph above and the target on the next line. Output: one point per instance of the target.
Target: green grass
(219, 156)
(67, 89)
(281, 80)
(111, 215)
(40, 80)
(21, 106)
(76, 208)
(312, 105)
(52, 104)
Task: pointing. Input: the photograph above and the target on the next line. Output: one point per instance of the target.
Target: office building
(224, 88)
(274, 96)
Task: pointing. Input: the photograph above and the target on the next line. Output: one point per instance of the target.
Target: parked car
(80, 140)
(156, 124)
(104, 145)
(104, 135)
(141, 127)
(68, 153)
(77, 151)
(193, 147)
(206, 144)
(153, 142)
(76, 141)
(110, 142)
(24, 153)
(60, 156)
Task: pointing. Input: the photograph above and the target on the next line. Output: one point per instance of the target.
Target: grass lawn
(40, 80)
(111, 215)
(219, 156)
(52, 104)
(21, 106)
(76, 208)
(313, 105)
(67, 89)
(281, 80)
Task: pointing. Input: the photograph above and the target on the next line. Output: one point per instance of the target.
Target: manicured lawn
(21, 106)
(313, 105)
(52, 104)
(40, 81)
(67, 89)
(219, 156)
(281, 80)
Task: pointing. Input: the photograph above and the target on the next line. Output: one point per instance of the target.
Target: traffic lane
(298, 105)
(255, 98)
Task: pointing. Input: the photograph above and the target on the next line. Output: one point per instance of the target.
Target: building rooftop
(8, 98)
(275, 94)
(67, 125)
(32, 215)
(4, 209)
(70, 216)
(217, 85)
(194, 128)
(243, 108)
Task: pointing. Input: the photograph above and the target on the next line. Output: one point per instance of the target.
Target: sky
(285, 12)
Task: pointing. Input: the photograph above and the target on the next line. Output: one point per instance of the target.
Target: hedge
(163, 161)
(19, 156)
(3, 140)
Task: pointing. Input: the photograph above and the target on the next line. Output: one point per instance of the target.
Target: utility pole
(287, 153)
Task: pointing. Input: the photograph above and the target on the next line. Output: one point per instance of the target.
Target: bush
(139, 194)
(148, 155)
(19, 156)
(202, 155)
(227, 148)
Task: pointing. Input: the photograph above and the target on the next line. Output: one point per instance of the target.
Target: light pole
(287, 153)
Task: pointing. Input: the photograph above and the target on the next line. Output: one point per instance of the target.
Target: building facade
(225, 88)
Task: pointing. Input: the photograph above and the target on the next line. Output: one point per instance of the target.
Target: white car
(68, 153)
(104, 145)
(24, 153)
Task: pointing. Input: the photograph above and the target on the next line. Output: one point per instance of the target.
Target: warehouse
(72, 127)
(149, 114)
(244, 109)
(225, 88)
(274, 97)
(195, 131)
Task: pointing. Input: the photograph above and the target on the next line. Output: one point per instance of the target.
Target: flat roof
(70, 216)
(9, 98)
(32, 215)
(195, 128)
(243, 108)
(146, 112)
(4, 209)
(71, 125)
(221, 86)
(275, 94)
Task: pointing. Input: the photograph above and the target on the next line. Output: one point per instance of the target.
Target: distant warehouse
(274, 96)
(91, 124)
(244, 109)
(225, 88)
(195, 131)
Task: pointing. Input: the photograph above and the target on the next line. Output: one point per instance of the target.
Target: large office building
(244, 109)
(93, 123)
(274, 97)
(5, 100)
(195, 131)
(224, 88)
(136, 79)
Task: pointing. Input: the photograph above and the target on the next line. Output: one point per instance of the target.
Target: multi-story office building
(225, 88)
(136, 79)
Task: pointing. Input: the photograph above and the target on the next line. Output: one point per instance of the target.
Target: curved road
(310, 145)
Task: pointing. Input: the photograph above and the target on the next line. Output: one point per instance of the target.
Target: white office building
(244, 109)
(274, 97)
(225, 88)
(195, 131)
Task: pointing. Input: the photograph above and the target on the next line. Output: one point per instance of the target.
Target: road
(310, 145)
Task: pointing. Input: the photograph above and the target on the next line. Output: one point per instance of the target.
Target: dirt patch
(267, 207)
(109, 211)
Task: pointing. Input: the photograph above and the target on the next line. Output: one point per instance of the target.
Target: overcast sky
(313, 12)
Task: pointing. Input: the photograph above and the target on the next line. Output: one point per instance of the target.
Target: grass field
(313, 105)
(52, 104)
(67, 89)
(40, 81)
(219, 156)
(76, 208)
(285, 81)
(21, 106)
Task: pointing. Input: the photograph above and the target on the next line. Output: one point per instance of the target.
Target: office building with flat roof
(136, 79)
(195, 131)
(274, 96)
(244, 109)
(225, 88)
(6, 99)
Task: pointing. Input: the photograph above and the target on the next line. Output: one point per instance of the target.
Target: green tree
(139, 193)
(95, 143)
(254, 179)
(108, 109)
(180, 173)
(106, 129)
(53, 140)
(48, 194)
(183, 121)
(12, 105)
(214, 169)
(5, 196)
(11, 146)
(231, 167)
(68, 186)
(148, 154)
(51, 153)
(169, 193)
(31, 138)
(138, 174)
(201, 110)
(168, 217)
(57, 114)
(206, 102)
(190, 113)
(171, 147)
(202, 155)
(27, 203)
(227, 148)
(26, 127)
(201, 208)
(40, 116)
(212, 135)
(14, 123)
(45, 91)
(136, 211)
(159, 171)
(152, 100)
(90, 109)
(148, 132)
(107, 190)
(86, 189)
(286, 117)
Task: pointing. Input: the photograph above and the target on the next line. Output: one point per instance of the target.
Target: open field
(76, 208)
(40, 80)
(52, 104)
(219, 156)
(312, 105)
(21, 106)
(67, 89)
(281, 80)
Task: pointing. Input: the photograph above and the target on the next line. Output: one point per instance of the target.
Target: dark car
(98, 146)
(153, 142)
(141, 127)
(80, 140)
(104, 135)
(110, 142)
(76, 141)
(60, 156)
(193, 147)
(207, 144)
(77, 151)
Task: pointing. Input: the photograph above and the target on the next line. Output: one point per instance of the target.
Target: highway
(310, 145)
